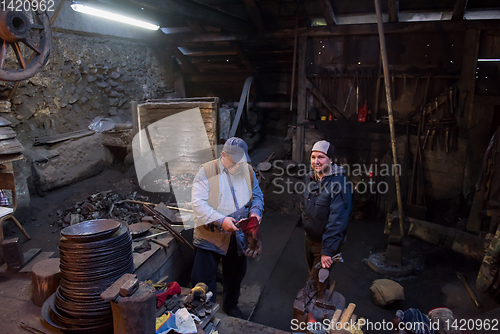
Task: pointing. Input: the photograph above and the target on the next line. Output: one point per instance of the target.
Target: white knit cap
(324, 147)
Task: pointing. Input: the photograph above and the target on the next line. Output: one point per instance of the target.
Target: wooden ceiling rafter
(186, 65)
(459, 10)
(199, 12)
(326, 7)
(255, 14)
(393, 6)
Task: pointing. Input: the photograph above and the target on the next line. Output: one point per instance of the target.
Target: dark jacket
(326, 208)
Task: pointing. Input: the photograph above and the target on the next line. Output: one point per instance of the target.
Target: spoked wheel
(22, 36)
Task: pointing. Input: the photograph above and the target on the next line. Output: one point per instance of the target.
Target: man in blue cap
(225, 191)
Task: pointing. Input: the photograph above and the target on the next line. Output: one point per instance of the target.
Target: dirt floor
(433, 282)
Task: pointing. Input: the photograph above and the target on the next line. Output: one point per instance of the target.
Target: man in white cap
(225, 191)
(327, 203)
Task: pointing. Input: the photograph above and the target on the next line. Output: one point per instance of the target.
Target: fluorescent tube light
(485, 59)
(112, 16)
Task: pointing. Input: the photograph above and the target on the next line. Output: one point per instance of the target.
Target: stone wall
(86, 77)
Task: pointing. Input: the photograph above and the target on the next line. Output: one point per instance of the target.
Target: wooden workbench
(159, 262)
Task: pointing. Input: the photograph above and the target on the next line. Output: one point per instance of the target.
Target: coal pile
(104, 205)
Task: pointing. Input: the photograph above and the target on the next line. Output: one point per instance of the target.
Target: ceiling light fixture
(484, 59)
(78, 7)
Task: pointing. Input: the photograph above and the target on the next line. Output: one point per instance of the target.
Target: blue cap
(237, 148)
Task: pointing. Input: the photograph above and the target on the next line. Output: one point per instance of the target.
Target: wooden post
(45, 277)
(385, 63)
(298, 147)
(467, 80)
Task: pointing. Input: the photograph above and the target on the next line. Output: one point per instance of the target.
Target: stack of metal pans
(94, 254)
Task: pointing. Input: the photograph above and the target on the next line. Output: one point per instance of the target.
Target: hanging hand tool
(348, 95)
(433, 133)
(392, 88)
(415, 91)
(451, 100)
(446, 139)
(425, 138)
(437, 110)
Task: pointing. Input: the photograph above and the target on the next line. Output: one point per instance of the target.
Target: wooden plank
(459, 10)
(254, 13)
(393, 28)
(199, 12)
(326, 7)
(329, 105)
(10, 146)
(147, 263)
(393, 6)
(62, 137)
(341, 30)
(186, 65)
(135, 116)
(183, 99)
(43, 256)
(31, 254)
(113, 291)
(467, 80)
(298, 143)
(176, 105)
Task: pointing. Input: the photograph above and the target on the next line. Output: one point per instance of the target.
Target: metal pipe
(385, 65)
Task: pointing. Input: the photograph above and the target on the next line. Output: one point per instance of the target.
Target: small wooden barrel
(45, 277)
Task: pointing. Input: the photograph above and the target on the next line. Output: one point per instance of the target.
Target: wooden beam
(243, 57)
(466, 110)
(339, 30)
(199, 12)
(195, 26)
(329, 105)
(397, 28)
(254, 13)
(467, 81)
(326, 7)
(298, 140)
(459, 10)
(393, 6)
(186, 65)
(302, 79)
(218, 77)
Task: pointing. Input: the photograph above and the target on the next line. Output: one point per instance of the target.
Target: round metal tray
(49, 317)
(91, 230)
(139, 229)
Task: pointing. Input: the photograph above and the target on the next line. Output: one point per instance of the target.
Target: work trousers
(313, 255)
(234, 268)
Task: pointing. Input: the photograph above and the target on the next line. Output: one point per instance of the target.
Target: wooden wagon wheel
(16, 28)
